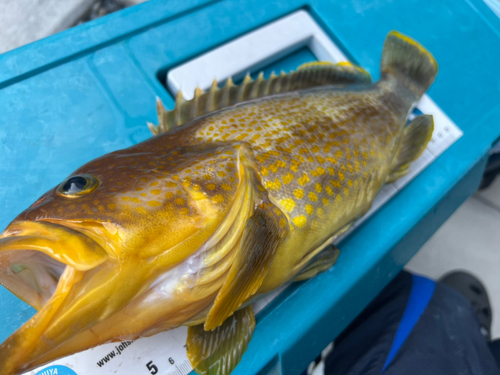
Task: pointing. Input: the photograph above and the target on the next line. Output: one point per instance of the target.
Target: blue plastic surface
(90, 90)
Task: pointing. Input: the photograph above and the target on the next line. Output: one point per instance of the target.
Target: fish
(240, 191)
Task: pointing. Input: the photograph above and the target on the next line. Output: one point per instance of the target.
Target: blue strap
(420, 295)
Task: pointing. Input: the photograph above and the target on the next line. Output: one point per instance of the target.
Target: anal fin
(416, 136)
(218, 352)
(320, 263)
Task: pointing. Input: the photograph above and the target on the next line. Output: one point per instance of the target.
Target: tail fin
(410, 61)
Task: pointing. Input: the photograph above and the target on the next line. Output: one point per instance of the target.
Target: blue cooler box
(90, 90)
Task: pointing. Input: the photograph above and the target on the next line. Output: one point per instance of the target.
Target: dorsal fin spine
(226, 92)
(178, 107)
(243, 91)
(194, 110)
(211, 99)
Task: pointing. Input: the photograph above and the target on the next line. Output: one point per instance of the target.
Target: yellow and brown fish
(238, 193)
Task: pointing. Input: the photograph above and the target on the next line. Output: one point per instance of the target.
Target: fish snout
(40, 262)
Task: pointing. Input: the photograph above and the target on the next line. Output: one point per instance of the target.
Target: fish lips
(61, 243)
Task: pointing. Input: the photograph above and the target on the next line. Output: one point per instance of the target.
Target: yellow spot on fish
(226, 187)
(144, 195)
(218, 198)
(155, 191)
(139, 189)
(273, 185)
(309, 209)
(329, 190)
(287, 178)
(111, 206)
(207, 176)
(273, 168)
(210, 186)
(171, 184)
(241, 137)
(288, 204)
(325, 201)
(180, 201)
(264, 171)
(318, 188)
(221, 174)
(312, 196)
(341, 176)
(300, 221)
(153, 183)
(299, 193)
(154, 203)
(303, 180)
(336, 184)
(183, 211)
(169, 195)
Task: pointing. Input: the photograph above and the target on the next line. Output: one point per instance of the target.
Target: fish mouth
(34, 255)
(40, 262)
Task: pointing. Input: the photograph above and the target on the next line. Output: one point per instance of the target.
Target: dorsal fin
(307, 76)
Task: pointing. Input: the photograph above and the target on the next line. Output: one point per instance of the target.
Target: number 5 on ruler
(152, 368)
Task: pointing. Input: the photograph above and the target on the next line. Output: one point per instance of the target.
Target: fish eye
(76, 186)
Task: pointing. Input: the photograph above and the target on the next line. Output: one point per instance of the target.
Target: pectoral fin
(218, 352)
(260, 239)
(416, 136)
(320, 263)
